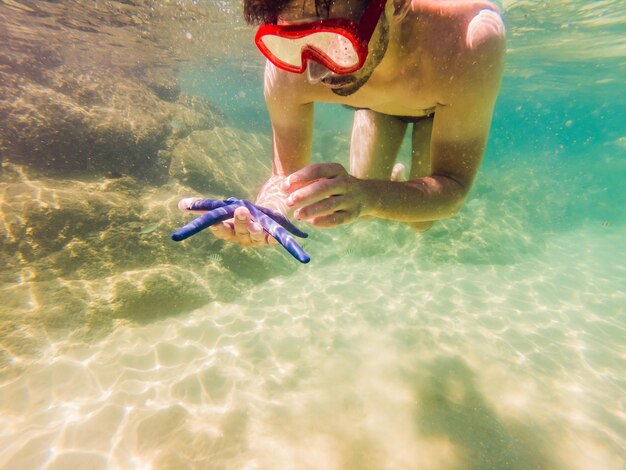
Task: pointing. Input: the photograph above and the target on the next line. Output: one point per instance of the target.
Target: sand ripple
(401, 366)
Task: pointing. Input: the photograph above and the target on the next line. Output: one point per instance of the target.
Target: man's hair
(267, 11)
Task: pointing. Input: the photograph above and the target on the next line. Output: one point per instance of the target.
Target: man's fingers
(326, 206)
(247, 232)
(240, 229)
(332, 220)
(311, 173)
(257, 235)
(318, 190)
(223, 230)
(242, 219)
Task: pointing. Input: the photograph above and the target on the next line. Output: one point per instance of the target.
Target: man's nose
(316, 72)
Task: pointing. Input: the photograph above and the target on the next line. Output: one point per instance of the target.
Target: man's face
(301, 11)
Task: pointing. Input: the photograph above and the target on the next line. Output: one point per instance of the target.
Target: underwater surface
(497, 339)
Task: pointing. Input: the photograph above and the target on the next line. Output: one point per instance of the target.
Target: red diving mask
(338, 44)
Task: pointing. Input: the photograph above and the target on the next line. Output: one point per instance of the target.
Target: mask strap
(370, 18)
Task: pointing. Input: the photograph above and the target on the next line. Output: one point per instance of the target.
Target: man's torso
(428, 60)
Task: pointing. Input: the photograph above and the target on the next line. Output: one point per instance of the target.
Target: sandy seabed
(367, 361)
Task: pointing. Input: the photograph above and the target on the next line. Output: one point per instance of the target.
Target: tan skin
(425, 56)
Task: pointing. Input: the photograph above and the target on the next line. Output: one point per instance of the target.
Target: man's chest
(394, 99)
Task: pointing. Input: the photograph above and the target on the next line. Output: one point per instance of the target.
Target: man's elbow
(457, 190)
(421, 226)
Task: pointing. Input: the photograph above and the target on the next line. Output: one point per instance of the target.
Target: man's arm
(455, 159)
(291, 115)
(460, 132)
(292, 131)
(292, 124)
(459, 136)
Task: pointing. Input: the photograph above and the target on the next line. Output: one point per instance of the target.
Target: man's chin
(344, 91)
(350, 88)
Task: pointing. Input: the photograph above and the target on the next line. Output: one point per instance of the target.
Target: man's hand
(218, 211)
(240, 229)
(243, 230)
(324, 195)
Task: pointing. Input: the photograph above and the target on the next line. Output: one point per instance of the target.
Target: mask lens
(337, 48)
(285, 50)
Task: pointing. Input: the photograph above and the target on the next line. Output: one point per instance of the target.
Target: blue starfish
(276, 224)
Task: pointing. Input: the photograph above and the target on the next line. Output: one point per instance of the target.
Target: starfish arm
(205, 220)
(279, 233)
(282, 220)
(207, 204)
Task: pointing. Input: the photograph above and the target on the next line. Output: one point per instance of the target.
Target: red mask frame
(294, 37)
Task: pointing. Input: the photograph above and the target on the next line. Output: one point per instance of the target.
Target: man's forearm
(424, 199)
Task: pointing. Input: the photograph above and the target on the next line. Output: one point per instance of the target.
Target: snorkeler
(430, 64)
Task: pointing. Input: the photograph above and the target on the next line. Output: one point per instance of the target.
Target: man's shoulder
(480, 19)
(464, 44)
(476, 20)
(448, 7)
(485, 26)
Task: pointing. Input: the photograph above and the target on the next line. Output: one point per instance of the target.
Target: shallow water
(494, 340)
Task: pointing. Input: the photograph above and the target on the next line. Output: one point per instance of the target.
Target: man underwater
(432, 65)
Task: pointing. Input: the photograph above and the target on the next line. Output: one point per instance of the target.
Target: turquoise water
(494, 340)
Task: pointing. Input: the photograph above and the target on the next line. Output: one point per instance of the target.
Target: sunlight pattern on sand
(400, 366)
